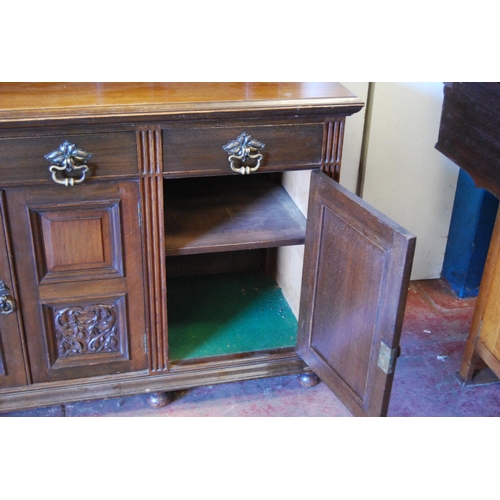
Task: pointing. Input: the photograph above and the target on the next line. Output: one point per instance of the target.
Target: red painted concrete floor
(434, 333)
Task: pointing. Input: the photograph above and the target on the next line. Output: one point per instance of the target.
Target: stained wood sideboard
(116, 198)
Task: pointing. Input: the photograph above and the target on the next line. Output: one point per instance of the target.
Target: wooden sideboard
(142, 228)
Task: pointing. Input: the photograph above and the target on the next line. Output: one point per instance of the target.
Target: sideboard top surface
(46, 102)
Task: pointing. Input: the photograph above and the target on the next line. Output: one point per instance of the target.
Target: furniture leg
(308, 379)
(159, 399)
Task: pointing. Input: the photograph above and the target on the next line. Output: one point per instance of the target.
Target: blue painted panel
(471, 226)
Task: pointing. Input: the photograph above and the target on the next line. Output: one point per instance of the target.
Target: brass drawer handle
(242, 150)
(7, 305)
(68, 159)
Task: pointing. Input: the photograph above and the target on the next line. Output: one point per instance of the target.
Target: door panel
(77, 243)
(78, 333)
(356, 274)
(12, 371)
(79, 263)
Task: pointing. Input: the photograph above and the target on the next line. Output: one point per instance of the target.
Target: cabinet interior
(234, 247)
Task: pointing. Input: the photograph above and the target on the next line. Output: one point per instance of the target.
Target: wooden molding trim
(149, 154)
(331, 155)
(264, 365)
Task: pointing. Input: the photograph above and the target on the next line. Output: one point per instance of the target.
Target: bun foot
(159, 399)
(308, 379)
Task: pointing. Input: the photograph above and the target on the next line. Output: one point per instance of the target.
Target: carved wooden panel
(82, 332)
(79, 261)
(149, 144)
(77, 243)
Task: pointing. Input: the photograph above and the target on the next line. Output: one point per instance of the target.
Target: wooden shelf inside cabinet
(216, 214)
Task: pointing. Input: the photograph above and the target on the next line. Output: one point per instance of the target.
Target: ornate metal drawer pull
(68, 159)
(7, 305)
(242, 150)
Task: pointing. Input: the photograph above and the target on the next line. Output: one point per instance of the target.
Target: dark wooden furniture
(469, 136)
(145, 184)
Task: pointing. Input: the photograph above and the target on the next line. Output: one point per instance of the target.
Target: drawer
(197, 150)
(22, 160)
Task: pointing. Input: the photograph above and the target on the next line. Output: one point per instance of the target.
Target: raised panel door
(356, 273)
(79, 260)
(12, 367)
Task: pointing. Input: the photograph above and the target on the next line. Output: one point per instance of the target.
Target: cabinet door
(79, 263)
(356, 273)
(12, 371)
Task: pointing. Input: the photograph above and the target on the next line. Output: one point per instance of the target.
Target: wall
(406, 178)
(290, 259)
(353, 138)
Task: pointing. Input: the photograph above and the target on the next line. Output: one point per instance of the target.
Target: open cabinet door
(357, 266)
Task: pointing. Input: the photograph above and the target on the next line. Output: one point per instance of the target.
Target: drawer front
(197, 150)
(22, 160)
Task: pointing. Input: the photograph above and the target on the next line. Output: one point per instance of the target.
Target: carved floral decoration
(82, 330)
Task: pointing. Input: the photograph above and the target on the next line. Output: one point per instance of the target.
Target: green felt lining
(214, 315)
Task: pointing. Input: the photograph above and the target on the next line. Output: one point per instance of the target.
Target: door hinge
(387, 358)
(146, 343)
(139, 214)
